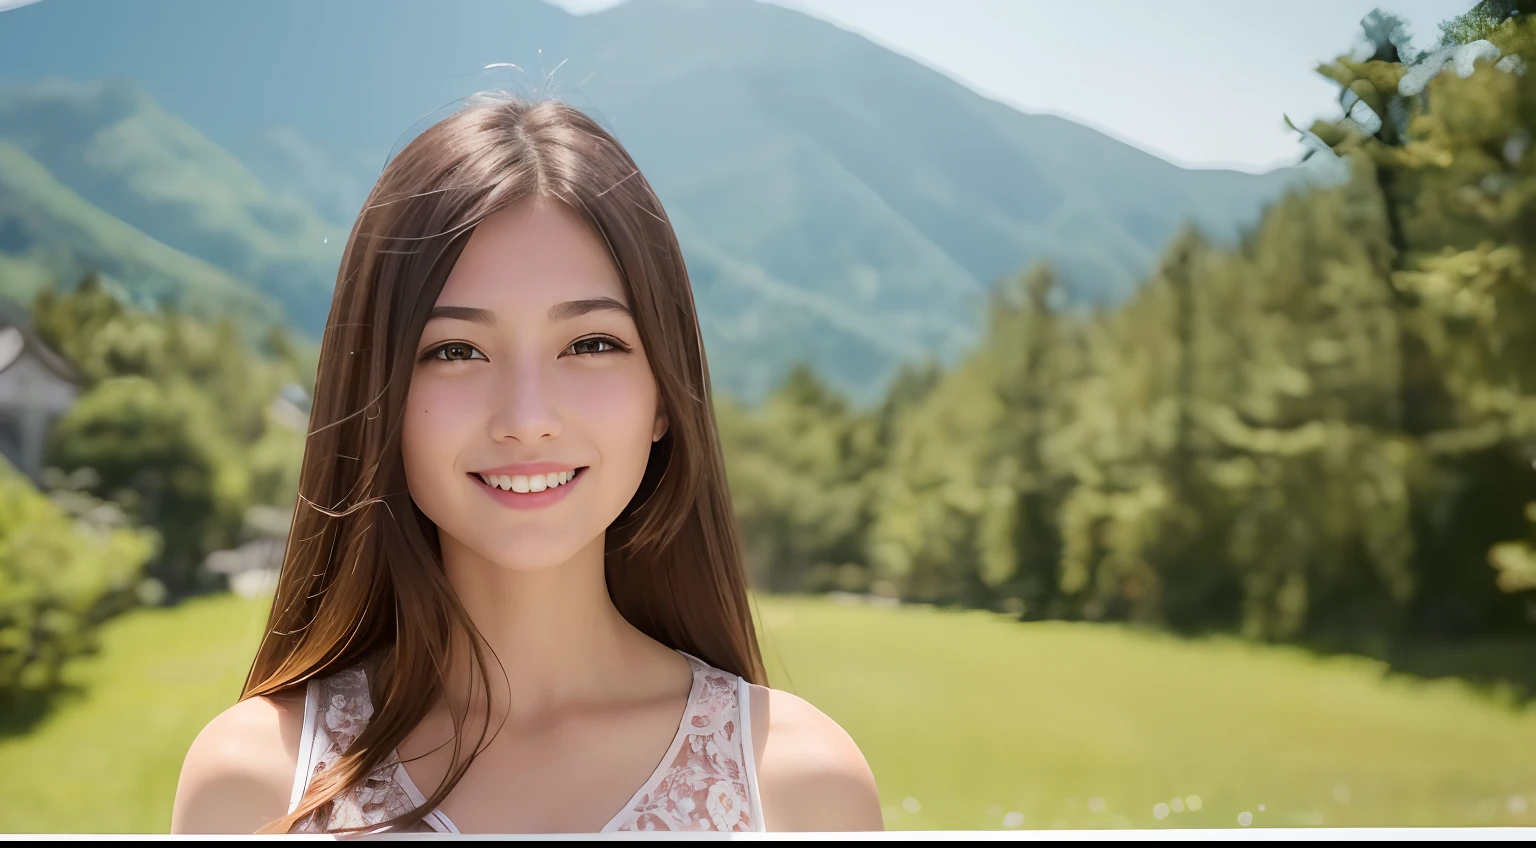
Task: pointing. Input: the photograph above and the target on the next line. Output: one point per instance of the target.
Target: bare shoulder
(238, 774)
(810, 773)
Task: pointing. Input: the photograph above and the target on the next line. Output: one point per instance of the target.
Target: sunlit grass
(1091, 726)
(968, 721)
(106, 760)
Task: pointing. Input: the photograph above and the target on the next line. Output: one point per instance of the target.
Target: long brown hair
(362, 577)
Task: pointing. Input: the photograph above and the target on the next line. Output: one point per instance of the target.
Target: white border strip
(1263, 834)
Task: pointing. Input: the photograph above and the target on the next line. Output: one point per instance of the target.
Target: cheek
(620, 411)
(434, 427)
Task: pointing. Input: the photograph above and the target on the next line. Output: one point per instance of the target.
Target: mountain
(47, 232)
(110, 142)
(837, 202)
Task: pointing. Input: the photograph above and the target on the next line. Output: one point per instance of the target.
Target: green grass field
(965, 718)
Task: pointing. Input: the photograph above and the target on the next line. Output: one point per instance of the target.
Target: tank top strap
(305, 768)
(748, 755)
(337, 708)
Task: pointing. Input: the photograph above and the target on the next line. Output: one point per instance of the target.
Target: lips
(528, 491)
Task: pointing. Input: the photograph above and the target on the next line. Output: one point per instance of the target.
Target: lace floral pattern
(342, 711)
(703, 785)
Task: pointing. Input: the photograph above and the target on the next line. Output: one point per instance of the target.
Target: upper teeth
(535, 483)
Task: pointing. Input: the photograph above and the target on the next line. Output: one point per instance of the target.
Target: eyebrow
(463, 313)
(577, 308)
(559, 312)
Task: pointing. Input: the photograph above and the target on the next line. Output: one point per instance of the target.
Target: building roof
(16, 339)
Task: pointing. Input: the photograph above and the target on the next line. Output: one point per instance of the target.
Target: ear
(661, 427)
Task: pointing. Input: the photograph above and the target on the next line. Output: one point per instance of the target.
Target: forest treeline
(1325, 433)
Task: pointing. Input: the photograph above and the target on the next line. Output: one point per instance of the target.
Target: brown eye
(456, 352)
(595, 345)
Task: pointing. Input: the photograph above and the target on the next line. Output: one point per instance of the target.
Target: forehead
(537, 253)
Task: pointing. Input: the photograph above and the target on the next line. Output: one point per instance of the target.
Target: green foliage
(1516, 561)
(176, 424)
(931, 494)
(1325, 434)
(158, 452)
(1483, 20)
(59, 577)
(130, 714)
(798, 469)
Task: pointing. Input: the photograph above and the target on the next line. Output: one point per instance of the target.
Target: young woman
(513, 598)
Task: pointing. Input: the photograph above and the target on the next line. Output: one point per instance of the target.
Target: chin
(526, 552)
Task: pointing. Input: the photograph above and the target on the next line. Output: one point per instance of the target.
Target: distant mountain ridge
(44, 224)
(109, 142)
(837, 202)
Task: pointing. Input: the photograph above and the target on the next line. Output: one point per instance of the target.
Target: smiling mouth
(528, 484)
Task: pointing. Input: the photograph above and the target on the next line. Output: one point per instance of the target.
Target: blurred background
(1131, 407)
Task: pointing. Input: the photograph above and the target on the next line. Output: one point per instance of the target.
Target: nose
(525, 407)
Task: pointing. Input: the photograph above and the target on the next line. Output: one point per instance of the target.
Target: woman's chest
(574, 775)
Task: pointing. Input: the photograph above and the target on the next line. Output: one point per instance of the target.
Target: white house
(36, 387)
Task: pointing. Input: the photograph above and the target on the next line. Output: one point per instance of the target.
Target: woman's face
(532, 407)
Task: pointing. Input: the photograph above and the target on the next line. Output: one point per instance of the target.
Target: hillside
(48, 233)
(111, 143)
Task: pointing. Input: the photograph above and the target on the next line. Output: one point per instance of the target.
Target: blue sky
(1212, 78)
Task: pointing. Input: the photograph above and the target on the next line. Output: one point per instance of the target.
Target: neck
(554, 635)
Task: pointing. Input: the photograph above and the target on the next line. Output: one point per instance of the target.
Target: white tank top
(707, 780)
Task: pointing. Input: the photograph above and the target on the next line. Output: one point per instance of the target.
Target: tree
(59, 577)
(1324, 434)
(1516, 561)
(156, 449)
(1483, 20)
(177, 422)
(798, 467)
(1033, 350)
